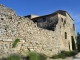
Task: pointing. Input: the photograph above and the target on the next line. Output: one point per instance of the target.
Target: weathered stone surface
(32, 37)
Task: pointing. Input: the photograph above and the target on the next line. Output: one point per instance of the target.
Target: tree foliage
(78, 38)
(78, 41)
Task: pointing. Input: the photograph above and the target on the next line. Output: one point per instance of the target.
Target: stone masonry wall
(31, 37)
(66, 25)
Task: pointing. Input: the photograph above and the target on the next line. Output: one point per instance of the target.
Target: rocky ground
(77, 57)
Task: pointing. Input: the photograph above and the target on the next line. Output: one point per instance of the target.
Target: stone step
(78, 55)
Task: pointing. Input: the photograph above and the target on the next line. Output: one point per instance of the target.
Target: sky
(43, 7)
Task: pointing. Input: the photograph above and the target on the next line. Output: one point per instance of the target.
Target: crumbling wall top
(6, 11)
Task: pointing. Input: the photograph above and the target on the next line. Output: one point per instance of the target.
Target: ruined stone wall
(47, 22)
(31, 37)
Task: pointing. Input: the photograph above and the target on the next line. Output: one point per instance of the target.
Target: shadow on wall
(49, 25)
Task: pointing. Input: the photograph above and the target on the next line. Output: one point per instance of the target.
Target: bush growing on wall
(15, 43)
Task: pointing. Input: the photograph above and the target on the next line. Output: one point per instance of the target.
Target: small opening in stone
(44, 19)
(10, 17)
(73, 27)
(2, 18)
(65, 35)
(62, 19)
(64, 22)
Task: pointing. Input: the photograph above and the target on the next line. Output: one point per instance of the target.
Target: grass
(42, 56)
(36, 56)
(14, 57)
(64, 54)
(39, 56)
(73, 53)
(33, 56)
(55, 56)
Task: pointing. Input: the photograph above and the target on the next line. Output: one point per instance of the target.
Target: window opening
(65, 35)
(44, 19)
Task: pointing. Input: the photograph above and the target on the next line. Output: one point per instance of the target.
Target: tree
(78, 41)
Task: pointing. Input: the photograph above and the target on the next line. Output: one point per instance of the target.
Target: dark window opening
(64, 23)
(35, 20)
(69, 45)
(73, 43)
(65, 35)
(5, 28)
(62, 19)
(73, 27)
(2, 18)
(44, 19)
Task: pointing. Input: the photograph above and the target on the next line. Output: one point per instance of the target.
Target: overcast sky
(43, 7)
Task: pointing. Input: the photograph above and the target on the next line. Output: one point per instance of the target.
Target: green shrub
(4, 59)
(14, 57)
(67, 53)
(64, 54)
(42, 56)
(15, 43)
(55, 56)
(78, 45)
(36, 56)
(73, 53)
(33, 56)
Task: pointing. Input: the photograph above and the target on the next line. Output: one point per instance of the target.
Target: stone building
(48, 34)
(61, 22)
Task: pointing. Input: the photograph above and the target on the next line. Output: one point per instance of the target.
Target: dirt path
(77, 57)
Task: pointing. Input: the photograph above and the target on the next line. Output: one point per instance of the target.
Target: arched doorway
(73, 43)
